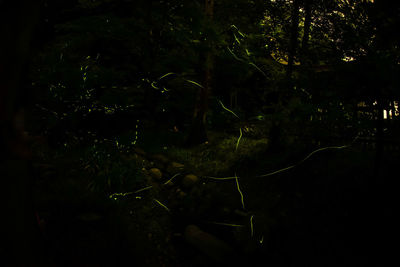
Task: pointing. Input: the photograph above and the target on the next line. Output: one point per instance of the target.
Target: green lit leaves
(108, 170)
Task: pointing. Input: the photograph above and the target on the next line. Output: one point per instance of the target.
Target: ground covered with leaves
(97, 205)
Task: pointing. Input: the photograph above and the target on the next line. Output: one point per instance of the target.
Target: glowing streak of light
(161, 204)
(226, 224)
(165, 75)
(171, 178)
(143, 189)
(217, 178)
(228, 109)
(233, 54)
(195, 83)
(153, 85)
(251, 225)
(255, 66)
(240, 192)
(240, 137)
(308, 156)
(237, 40)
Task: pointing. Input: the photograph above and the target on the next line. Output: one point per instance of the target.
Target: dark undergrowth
(322, 212)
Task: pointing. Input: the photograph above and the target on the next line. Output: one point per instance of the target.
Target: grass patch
(219, 155)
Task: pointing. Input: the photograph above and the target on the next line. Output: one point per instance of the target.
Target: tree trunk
(198, 132)
(379, 144)
(293, 38)
(306, 32)
(19, 233)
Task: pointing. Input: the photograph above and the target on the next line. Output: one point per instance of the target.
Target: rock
(145, 163)
(160, 161)
(158, 157)
(139, 151)
(128, 158)
(155, 173)
(189, 180)
(169, 184)
(89, 217)
(180, 193)
(175, 167)
(45, 170)
(207, 243)
(241, 213)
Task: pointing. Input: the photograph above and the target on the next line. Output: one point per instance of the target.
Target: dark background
(95, 95)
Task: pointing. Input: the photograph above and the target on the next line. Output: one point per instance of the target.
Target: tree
(20, 235)
(198, 134)
(294, 32)
(306, 31)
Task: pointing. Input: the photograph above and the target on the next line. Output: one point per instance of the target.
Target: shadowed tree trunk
(19, 233)
(198, 132)
(383, 189)
(294, 33)
(306, 32)
(379, 142)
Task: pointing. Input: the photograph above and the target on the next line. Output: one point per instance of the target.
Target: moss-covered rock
(190, 180)
(155, 173)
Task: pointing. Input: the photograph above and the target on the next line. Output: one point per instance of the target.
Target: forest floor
(317, 213)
